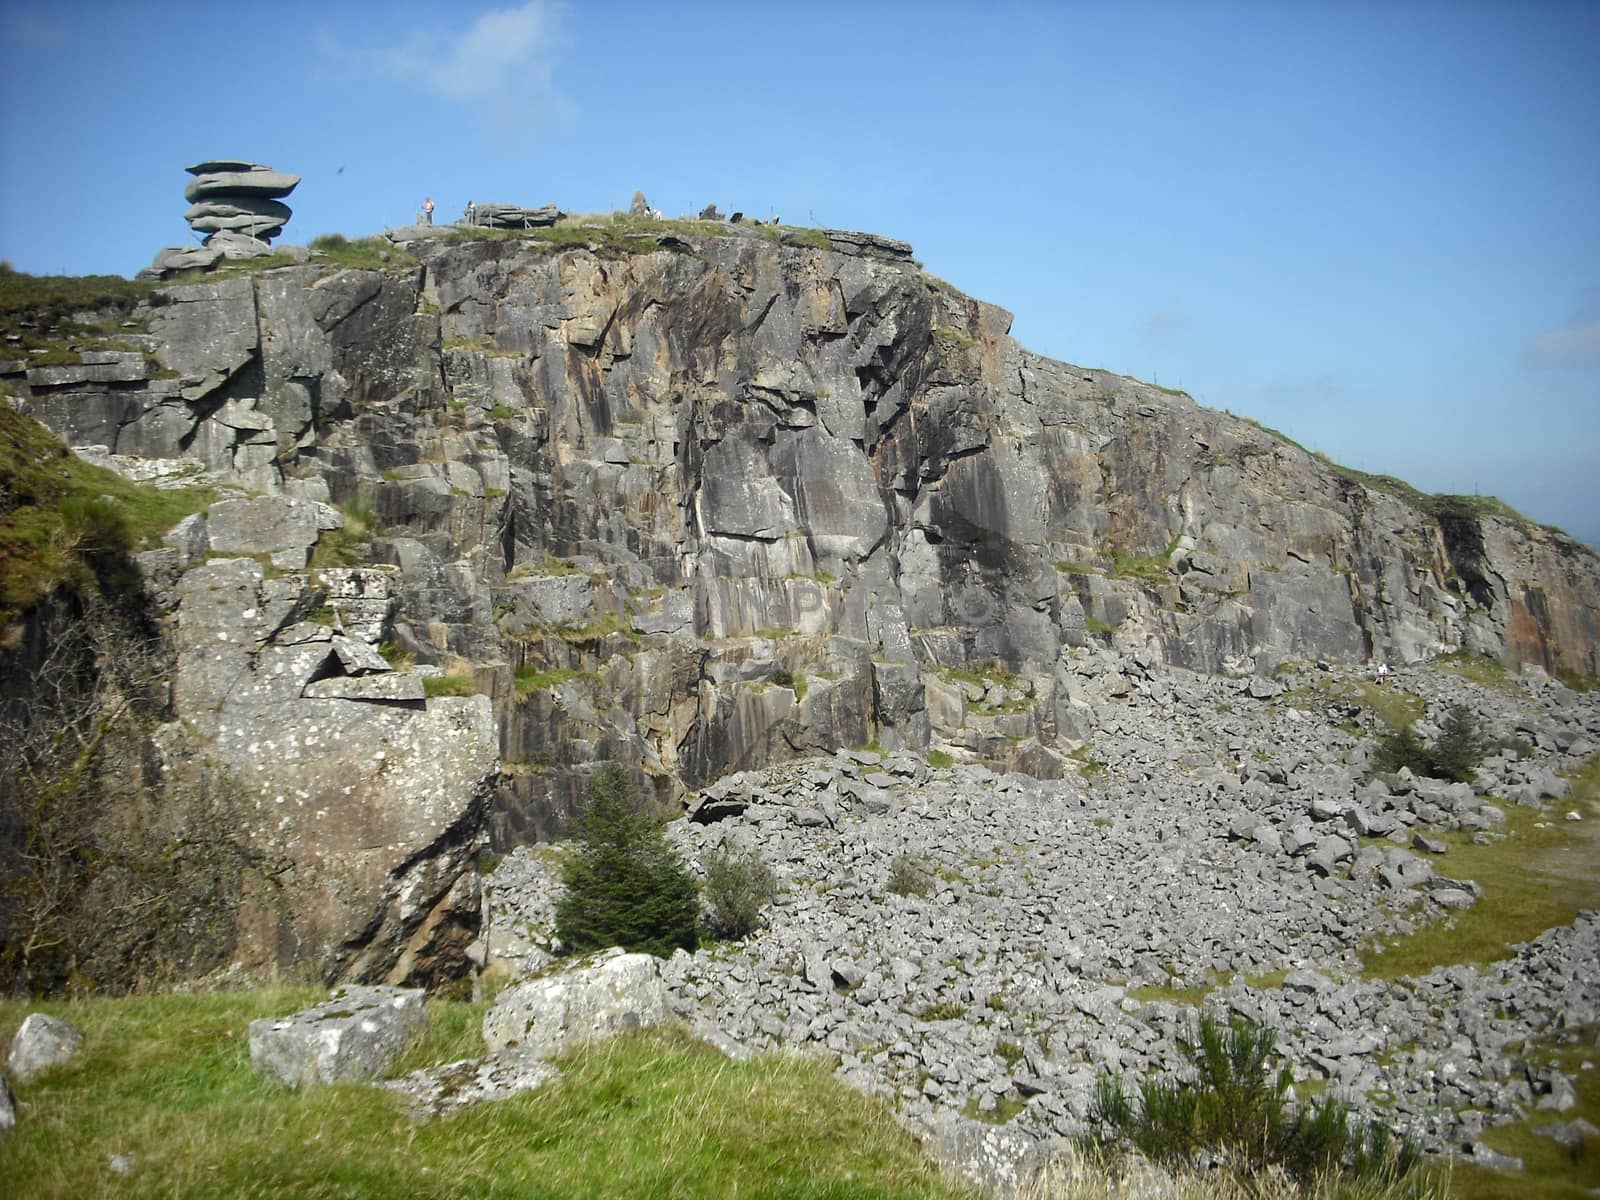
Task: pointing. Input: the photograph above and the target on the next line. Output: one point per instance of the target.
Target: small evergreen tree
(1459, 747)
(1454, 754)
(625, 885)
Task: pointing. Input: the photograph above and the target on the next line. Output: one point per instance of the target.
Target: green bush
(908, 876)
(1235, 1111)
(737, 888)
(625, 886)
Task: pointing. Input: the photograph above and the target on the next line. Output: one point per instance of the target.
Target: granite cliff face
(699, 503)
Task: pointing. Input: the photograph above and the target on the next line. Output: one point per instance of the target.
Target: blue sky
(1375, 227)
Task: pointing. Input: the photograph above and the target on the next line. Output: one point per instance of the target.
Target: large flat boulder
(543, 1017)
(356, 1035)
(258, 181)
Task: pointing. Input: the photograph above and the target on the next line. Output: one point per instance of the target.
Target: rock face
(716, 501)
(356, 1035)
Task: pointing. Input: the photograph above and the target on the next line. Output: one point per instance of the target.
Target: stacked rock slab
(511, 216)
(237, 205)
(238, 208)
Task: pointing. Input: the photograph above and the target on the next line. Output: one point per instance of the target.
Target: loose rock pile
(1229, 837)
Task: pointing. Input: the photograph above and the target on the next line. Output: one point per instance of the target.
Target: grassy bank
(166, 1081)
(1542, 874)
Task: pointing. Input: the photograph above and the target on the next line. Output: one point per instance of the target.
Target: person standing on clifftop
(427, 210)
(472, 213)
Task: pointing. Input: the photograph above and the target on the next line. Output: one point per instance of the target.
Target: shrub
(1235, 1110)
(737, 888)
(111, 878)
(908, 876)
(625, 886)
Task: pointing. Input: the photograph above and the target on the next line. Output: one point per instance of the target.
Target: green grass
(940, 760)
(453, 684)
(364, 254)
(1089, 767)
(1475, 668)
(1193, 996)
(603, 626)
(1073, 567)
(1533, 880)
(530, 680)
(38, 312)
(65, 523)
(348, 546)
(617, 234)
(1549, 1170)
(1395, 708)
(1147, 568)
(167, 1081)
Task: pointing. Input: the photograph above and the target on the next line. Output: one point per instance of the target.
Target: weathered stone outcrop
(723, 500)
(238, 209)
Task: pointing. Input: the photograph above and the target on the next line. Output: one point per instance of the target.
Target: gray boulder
(511, 216)
(184, 258)
(257, 181)
(40, 1043)
(435, 1091)
(8, 1108)
(261, 525)
(617, 993)
(356, 1035)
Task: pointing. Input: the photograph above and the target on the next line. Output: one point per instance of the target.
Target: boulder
(262, 525)
(511, 216)
(238, 206)
(258, 181)
(435, 1091)
(41, 1042)
(184, 258)
(616, 993)
(234, 244)
(356, 1035)
(8, 1108)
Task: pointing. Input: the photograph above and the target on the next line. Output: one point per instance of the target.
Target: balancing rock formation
(702, 503)
(231, 197)
(239, 208)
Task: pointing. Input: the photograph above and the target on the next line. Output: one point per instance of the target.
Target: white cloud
(506, 54)
(1574, 344)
